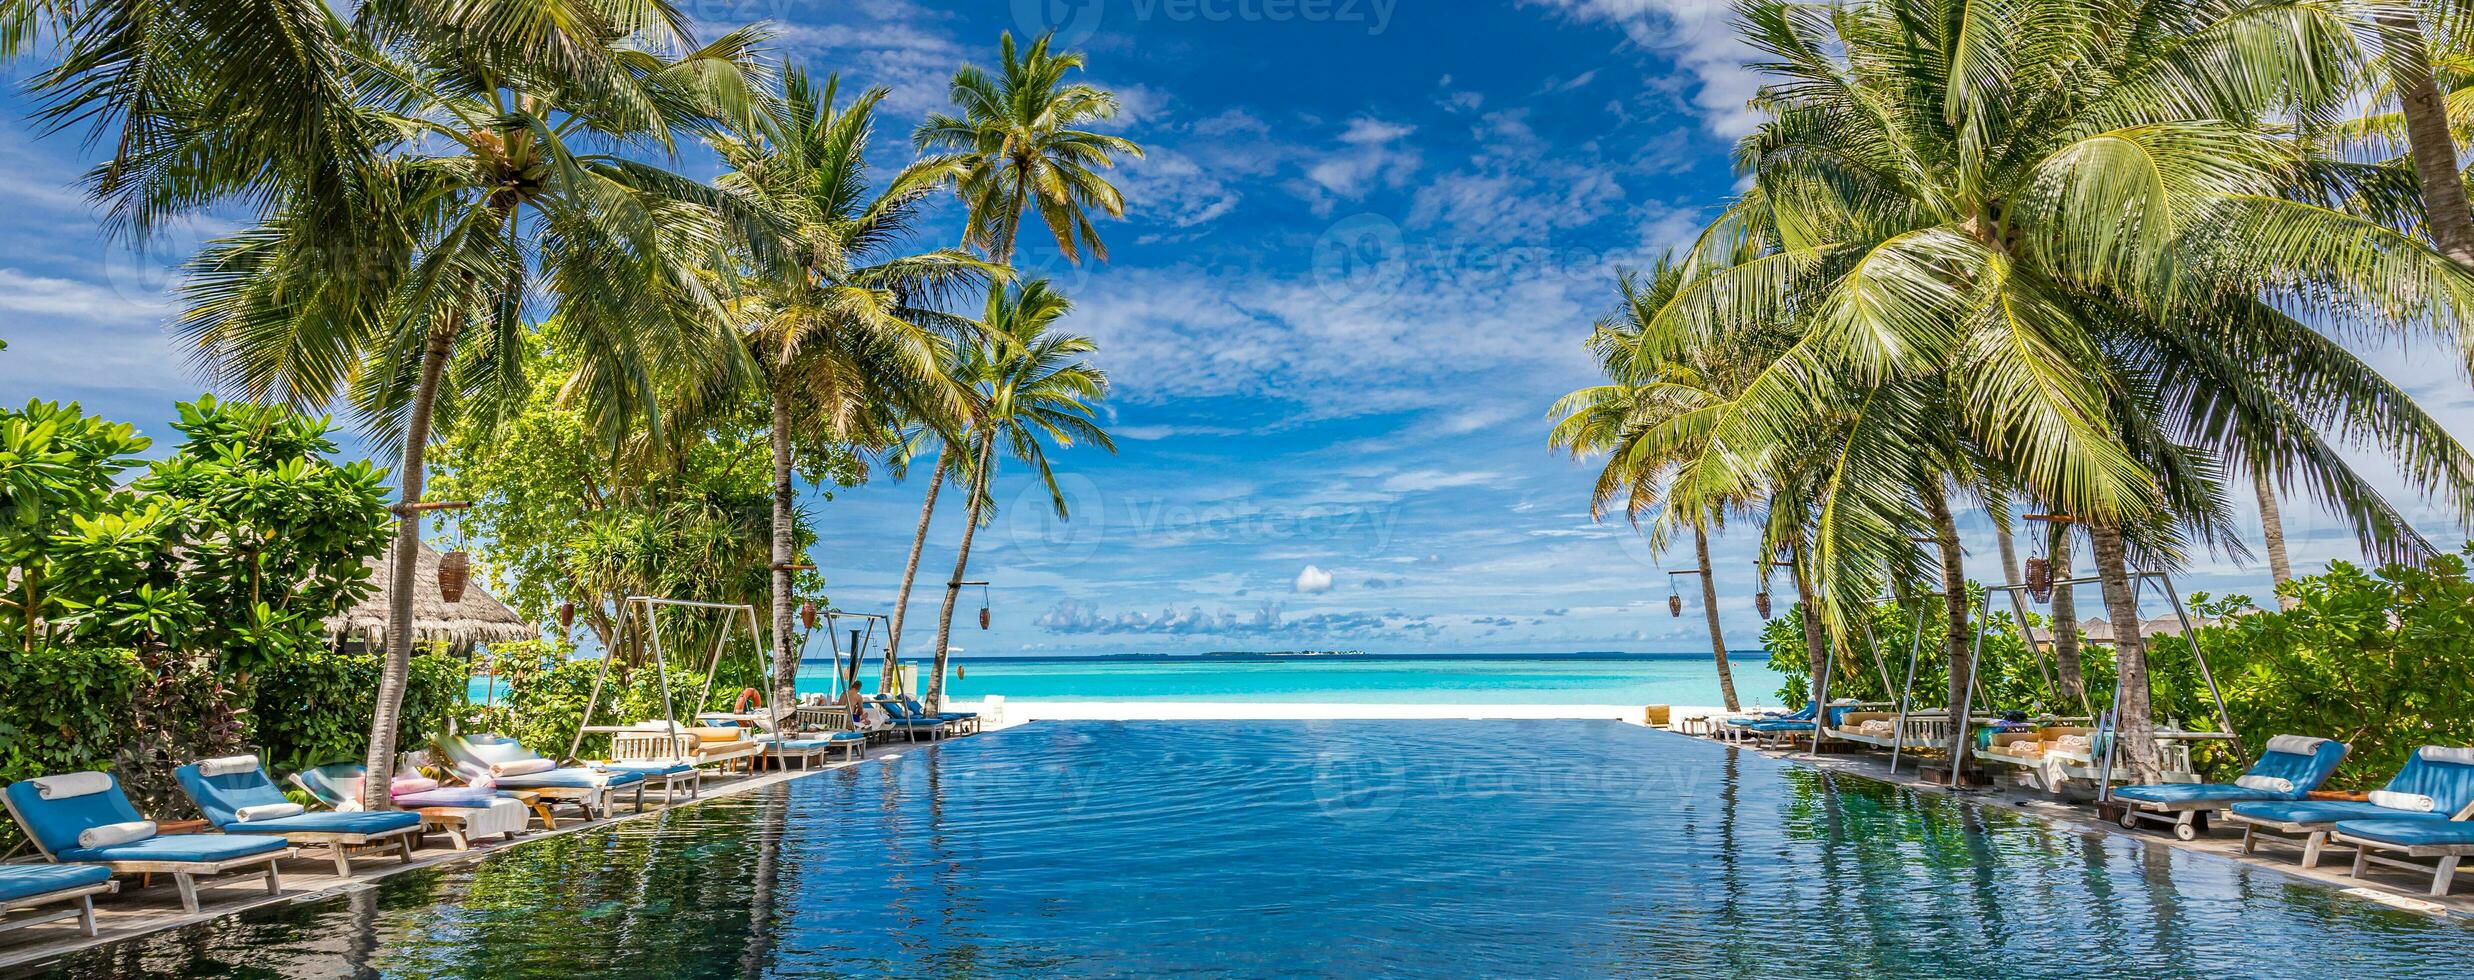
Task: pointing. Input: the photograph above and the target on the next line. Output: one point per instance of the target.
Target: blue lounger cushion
(1804, 713)
(2324, 811)
(2299, 764)
(22, 881)
(650, 768)
(56, 823)
(467, 797)
(2411, 833)
(572, 778)
(354, 822)
(182, 848)
(221, 795)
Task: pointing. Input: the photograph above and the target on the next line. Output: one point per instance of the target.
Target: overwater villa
(1569, 488)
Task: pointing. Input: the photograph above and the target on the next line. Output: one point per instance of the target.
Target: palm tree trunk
(395, 672)
(1959, 634)
(2272, 524)
(785, 544)
(910, 571)
(2136, 727)
(1816, 639)
(977, 487)
(1709, 610)
(2066, 658)
(2434, 150)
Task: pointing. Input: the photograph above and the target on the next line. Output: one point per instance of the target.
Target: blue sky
(1357, 266)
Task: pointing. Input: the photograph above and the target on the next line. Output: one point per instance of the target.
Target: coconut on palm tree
(847, 327)
(1023, 138)
(488, 183)
(1030, 389)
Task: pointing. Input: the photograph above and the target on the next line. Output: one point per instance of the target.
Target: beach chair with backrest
(84, 818)
(236, 797)
(463, 813)
(2290, 768)
(26, 890)
(497, 762)
(2433, 818)
(785, 737)
(2443, 775)
(959, 722)
(900, 718)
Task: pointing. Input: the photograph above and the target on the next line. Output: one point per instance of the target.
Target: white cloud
(45, 296)
(1698, 36)
(1415, 481)
(1311, 580)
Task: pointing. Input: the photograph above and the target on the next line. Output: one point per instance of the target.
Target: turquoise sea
(1646, 678)
(1528, 678)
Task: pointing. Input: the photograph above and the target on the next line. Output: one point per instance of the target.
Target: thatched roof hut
(479, 618)
(2098, 630)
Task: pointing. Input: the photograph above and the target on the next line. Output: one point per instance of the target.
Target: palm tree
(1019, 136)
(1621, 421)
(2406, 52)
(1030, 388)
(937, 475)
(490, 181)
(846, 328)
(1987, 223)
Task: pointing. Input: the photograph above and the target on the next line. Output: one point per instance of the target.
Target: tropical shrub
(2382, 660)
(2008, 678)
(548, 689)
(313, 708)
(63, 709)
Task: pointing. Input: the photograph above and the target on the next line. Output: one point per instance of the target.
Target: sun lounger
(2289, 770)
(500, 763)
(902, 718)
(725, 746)
(1880, 729)
(463, 813)
(84, 818)
(33, 886)
(2443, 775)
(236, 797)
(2447, 840)
(807, 746)
(961, 722)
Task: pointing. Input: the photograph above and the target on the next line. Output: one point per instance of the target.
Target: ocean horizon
(1580, 677)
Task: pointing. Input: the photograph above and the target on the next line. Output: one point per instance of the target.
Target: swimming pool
(1284, 848)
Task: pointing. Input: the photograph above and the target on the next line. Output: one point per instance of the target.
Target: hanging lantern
(454, 573)
(2040, 579)
(1675, 606)
(807, 615)
(566, 616)
(983, 617)
(1761, 603)
(983, 606)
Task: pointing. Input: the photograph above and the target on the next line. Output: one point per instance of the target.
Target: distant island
(1285, 653)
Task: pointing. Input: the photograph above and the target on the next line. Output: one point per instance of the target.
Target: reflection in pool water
(1281, 848)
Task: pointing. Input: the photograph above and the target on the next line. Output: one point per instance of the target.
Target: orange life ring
(747, 695)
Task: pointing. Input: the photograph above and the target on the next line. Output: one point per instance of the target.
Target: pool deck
(2387, 886)
(136, 911)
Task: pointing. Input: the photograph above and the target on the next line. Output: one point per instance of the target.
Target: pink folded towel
(411, 784)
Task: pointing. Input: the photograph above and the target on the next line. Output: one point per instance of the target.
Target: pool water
(1286, 848)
